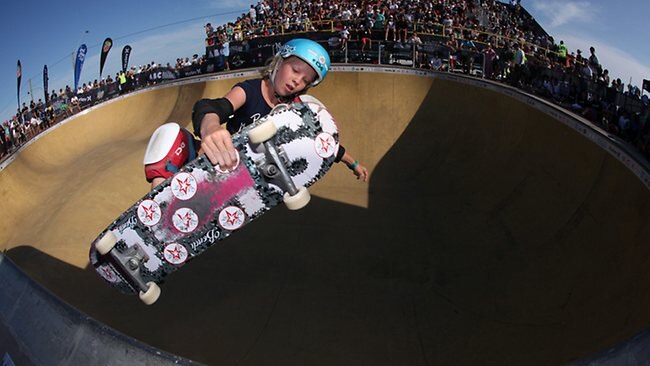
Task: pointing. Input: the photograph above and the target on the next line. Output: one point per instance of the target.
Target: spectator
(489, 61)
(415, 39)
(35, 124)
(604, 78)
(517, 64)
(225, 52)
(594, 65)
(209, 30)
(122, 80)
(452, 45)
(416, 43)
(390, 26)
(344, 35)
(562, 54)
(435, 62)
(468, 50)
(252, 14)
(366, 37)
(402, 28)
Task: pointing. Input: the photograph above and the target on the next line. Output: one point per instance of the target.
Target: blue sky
(44, 32)
(618, 31)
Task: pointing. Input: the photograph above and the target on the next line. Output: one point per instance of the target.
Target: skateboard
(279, 156)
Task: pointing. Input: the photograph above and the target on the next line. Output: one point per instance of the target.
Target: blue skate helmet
(310, 52)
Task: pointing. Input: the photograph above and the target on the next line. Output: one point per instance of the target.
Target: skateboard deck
(202, 204)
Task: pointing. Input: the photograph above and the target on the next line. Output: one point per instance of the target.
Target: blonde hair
(267, 70)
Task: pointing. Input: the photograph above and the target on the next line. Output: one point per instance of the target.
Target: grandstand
(477, 38)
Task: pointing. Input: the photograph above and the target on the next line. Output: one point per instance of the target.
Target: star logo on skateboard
(183, 186)
(175, 253)
(149, 212)
(231, 218)
(108, 274)
(185, 220)
(325, 145)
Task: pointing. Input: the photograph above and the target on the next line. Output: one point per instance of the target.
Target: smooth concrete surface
(490, 232)
(36, 328)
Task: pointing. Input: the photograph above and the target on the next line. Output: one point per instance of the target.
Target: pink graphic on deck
(210, 196)
(238, 182)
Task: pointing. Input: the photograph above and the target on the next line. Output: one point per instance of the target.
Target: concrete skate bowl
(494, 229)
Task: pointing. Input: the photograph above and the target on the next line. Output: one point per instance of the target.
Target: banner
(97, 95)
(108, 43)
(126, 52)
(160, 74)
(646, 85)
(19, 76)
(45, 80)
(78, 64)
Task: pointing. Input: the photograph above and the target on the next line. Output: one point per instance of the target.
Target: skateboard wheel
(106, 243)
(297, 201)
(152, 294)
(262, 133)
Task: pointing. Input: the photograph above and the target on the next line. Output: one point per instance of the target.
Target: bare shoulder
(236, 96)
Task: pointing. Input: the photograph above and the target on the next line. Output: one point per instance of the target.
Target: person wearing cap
(299, 65)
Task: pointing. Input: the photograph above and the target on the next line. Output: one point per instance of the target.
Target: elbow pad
(221, 106)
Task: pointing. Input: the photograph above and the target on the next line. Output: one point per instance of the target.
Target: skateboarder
(299, 65)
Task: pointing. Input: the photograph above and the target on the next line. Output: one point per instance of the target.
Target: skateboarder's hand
(217, 144)
(361, 172)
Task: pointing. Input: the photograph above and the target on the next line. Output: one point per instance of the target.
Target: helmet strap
(289, 98)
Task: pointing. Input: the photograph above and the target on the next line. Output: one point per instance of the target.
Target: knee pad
(170, 147)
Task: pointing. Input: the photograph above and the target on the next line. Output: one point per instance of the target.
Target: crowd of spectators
(499, 39)
(485, 38)
(38, 116)
(482, 20)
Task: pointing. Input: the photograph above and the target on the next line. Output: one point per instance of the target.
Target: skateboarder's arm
(216, 141)
(156, 181)
(359, 170)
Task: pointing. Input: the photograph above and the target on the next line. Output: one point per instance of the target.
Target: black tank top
(254, 107)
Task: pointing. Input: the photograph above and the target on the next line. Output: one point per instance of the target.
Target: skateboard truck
(274, 166)
(129, 262)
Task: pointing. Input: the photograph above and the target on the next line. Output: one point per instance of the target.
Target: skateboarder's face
(293, 76)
